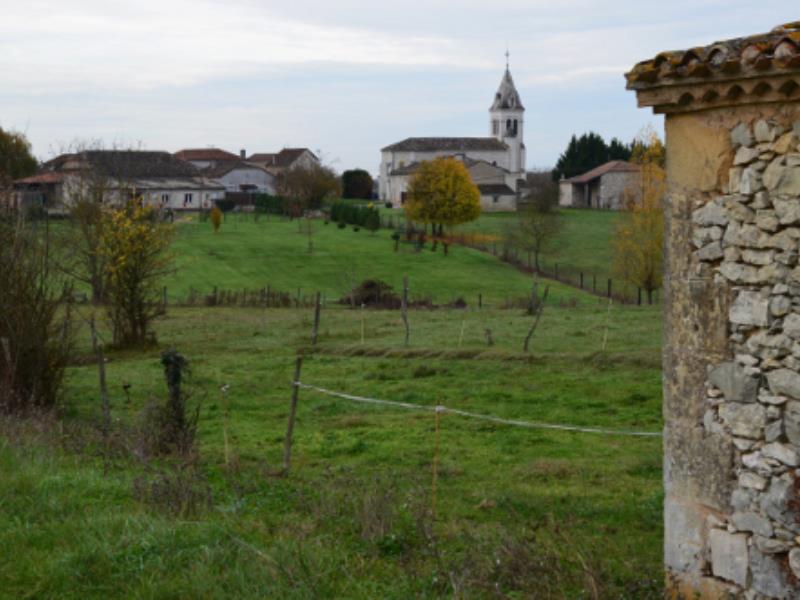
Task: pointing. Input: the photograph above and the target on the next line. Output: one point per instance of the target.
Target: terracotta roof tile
(768, 52)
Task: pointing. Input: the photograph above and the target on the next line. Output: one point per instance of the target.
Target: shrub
(373, 292)
(216, 218)
(341, 224)
(35, 339)
(388, 205)
(225, 205)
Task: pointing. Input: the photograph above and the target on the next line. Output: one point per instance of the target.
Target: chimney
(243, 154)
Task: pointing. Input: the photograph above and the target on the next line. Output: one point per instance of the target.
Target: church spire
(507, 96)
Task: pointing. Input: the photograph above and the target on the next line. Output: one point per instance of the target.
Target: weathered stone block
(683, 534)
(750, 308)
(711, 252)
(729, 556)
(791, 326)
(768, 576)
(750, 521)
(784, 382)
(787, 211)
(764, 131)
(736, 385)
(783, 453)
(791, 422)
(741, 136)
(745, 155)
(698, 465)
(745, 420)
(711, 214)
(775, 503)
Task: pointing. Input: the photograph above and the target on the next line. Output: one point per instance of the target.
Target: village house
(605, 186)
(205, 158)
(115, 176)
(496, 163)
(242, 176)
(288, 158)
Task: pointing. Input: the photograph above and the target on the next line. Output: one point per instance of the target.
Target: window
(402, 197)
(495, 127)
(164, 198)
(495, 199)
(187, 199)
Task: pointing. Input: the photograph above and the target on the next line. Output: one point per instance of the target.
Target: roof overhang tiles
(756, 69)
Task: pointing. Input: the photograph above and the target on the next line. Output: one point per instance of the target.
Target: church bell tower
(507, 121)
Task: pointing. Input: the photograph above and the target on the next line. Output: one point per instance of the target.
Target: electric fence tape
(471, 415)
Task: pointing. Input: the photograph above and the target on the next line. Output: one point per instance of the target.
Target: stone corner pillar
(732, 314)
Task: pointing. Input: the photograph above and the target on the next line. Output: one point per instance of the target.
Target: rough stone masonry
(732, 314)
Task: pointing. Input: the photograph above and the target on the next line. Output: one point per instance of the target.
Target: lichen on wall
(747, 237)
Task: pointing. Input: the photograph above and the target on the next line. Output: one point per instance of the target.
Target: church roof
(437, 144)
(507, 96)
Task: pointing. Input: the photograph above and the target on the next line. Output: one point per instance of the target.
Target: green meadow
(380, 501)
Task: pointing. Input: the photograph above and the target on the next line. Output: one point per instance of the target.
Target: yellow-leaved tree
(441, 193)
(639, 238)
(135, 246)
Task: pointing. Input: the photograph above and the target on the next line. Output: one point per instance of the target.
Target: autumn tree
(216, 218)
(135, 246)
(307, 187)
(16, 159)
(538, 222)
(357, 184)
(441, 193)
(639, 237)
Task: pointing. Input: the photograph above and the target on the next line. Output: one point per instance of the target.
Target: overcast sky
(345, 77)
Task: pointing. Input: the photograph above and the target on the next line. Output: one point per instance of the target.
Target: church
(496, 163)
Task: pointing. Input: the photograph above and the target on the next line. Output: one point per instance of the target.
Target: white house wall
(234, 180)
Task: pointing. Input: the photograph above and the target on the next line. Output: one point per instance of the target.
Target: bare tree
(538, 223)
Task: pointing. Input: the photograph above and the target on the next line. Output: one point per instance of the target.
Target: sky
(342, 77)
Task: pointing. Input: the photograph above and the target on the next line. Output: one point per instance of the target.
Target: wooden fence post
(164, 297)
(556, 272)
(404, 306)
(581, 280)
(315, 331)
(639, 297)
(287, 444)
(106, 403)
(480, 301)
(609, 288)
(594, 283)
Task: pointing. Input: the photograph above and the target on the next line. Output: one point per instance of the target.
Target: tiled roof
(736, 67)
(206, 154)
(138, 163)
(284, 159)
(412, 168)
(495, 189)
(41, 178)
(614, 166)
(436, 144)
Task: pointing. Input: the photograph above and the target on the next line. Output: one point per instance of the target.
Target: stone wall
(732, 354)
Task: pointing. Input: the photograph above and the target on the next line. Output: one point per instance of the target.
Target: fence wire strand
(472, 415)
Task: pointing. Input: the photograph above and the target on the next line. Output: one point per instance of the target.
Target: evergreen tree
(588, 151)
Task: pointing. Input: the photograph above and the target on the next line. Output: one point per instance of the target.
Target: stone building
(288, 158)
(603, 187)
(504, 150)
(205, 158)
(732, 314)
(115, 176)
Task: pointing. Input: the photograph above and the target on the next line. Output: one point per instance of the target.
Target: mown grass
(519, 512)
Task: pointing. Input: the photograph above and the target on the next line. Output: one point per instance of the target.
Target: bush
(373, 292)
(341, 224)
(35, 342)
(273, 205)
(388, 205)
(353, 214)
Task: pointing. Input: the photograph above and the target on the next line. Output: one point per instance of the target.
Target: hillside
(249, 254)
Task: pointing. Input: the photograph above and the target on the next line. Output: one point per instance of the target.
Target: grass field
(532, 513)
(583, 245)
(248, 254)
(512, 512)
